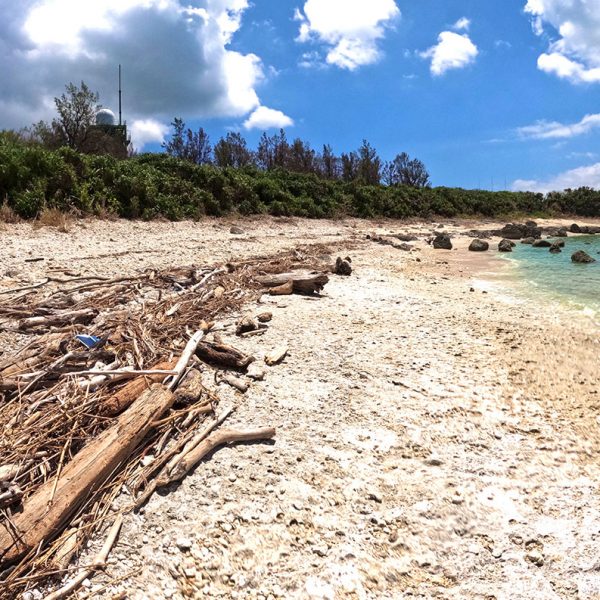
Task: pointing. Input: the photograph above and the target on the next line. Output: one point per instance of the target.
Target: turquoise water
(557, 278)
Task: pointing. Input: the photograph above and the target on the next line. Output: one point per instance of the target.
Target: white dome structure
(106, 117)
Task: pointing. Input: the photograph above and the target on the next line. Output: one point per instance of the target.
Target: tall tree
(77, 109)
(232, 151)
(406, 171)
(369, 164)
(329, 163)
(265, 152)
(349, 166)
(193, 146)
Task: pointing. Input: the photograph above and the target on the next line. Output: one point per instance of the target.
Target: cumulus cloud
(176, 59)
(453, 51)
(146, 131)
(349, 29)
(267, 118)
(588, 176)
(545, 130)
(462, 24)
(574, 25)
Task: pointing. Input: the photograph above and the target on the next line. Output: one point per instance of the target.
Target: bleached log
(42, 520)
(304, 282)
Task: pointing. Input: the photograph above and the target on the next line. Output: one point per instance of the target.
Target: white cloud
(462, 24)
(453, 51)
(267, 118)
(545, 130)
(588, 176)
(350, 29)
(575, 24)
(176, 59)
(146, 131)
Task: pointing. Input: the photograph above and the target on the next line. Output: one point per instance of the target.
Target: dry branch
(40, 521)
(303, 282)
(220, 354)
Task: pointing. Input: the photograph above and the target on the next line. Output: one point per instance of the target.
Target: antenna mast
(120, 122)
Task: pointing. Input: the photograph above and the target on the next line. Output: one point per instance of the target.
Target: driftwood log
(190, 388)
(62, 318)
(304, 282)
(49, 508)
(123, 399)
(220, 354)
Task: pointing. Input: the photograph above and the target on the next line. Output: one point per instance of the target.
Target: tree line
(277, 152)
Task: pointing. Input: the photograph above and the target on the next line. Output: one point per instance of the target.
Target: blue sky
(484, 92)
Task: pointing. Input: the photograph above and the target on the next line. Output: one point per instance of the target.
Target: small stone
(434, 461)
(236, 230)
(183, 543)
(535, 556)
(264, 317)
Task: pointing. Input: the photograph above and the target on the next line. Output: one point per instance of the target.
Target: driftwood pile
(127, 412)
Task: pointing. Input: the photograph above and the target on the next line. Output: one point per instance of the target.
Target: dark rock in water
(575, 228)
(541, 244)
(236, 230)
(590, 229)
(506, 246)
(442, 242)
(342, 266)
(555, 248)
(559, 243)
(406, 237)
(582, 257)
(528, 240)
(478, 246)
(562, 232)
(555, 231)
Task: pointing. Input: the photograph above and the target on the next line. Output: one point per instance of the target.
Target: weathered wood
(219, 438)
(69, 317)
(236, 382)
(304, 282)
(225, 356)
(276, 356)
(41, 520)
(285, 289)
(123, 398)
(190, 388)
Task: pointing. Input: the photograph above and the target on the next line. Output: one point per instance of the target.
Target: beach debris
(285, 289)
(81, 425)
(442, 242)
(506, 246)
(235, 382)
(256, 371)
(581, 256)
(89, 341)
(303, 282)
(276, 356)
(478, 245)
(222, 355)
(264, 317)
(245, 324)
(343, 266)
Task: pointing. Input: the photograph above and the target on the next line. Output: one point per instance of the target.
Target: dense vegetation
(150, 185)
(71, 165)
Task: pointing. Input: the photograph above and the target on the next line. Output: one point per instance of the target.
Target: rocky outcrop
(542, 244)
(528, 240)
(590, 229)
(555, 231)
(442, 242)
(518, 231)
(506, 245)
(479, 246)
(582, 257)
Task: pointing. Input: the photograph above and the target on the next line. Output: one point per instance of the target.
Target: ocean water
(557, 278)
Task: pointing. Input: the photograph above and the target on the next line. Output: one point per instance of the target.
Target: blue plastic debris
(89, 341)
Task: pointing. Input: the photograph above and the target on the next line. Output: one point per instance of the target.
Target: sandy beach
(437, 430)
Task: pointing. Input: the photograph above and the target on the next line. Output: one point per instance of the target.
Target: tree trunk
(304, 282)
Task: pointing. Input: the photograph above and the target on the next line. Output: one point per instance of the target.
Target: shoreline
(431, 441)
